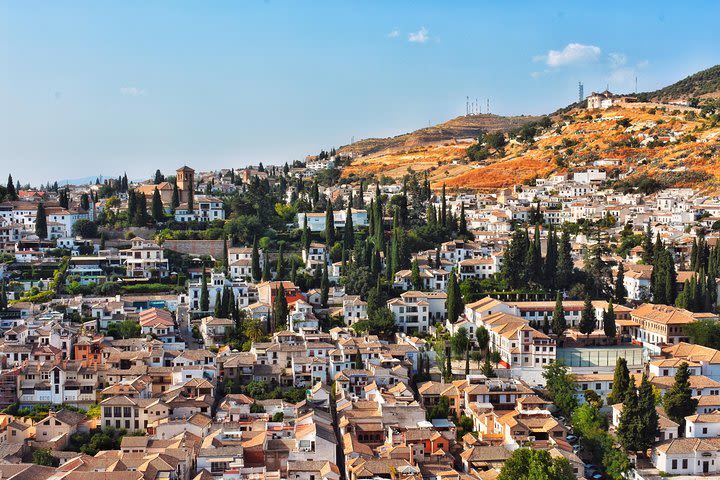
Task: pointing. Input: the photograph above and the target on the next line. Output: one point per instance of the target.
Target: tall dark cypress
(11, 192)
(255, 261)
(175, 201)
(329, 225)
(41, 222)
(551, 259)
(565, 262)
(157, 207)
(349, 232)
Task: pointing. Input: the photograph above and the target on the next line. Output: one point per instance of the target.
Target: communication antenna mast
(581, 92)
(635, 84)
(487, 110)
(467, 105)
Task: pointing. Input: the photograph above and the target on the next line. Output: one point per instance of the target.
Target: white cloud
(421, 36)
(572, 54)
(617, 60)
(393, 34)
(643, 64)
(132, 91)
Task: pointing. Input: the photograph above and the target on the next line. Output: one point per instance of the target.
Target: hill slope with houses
(627, 136)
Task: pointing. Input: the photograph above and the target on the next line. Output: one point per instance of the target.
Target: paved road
(183, 319)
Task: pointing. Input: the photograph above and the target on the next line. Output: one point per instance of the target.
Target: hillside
(466, 127)
(703, 84)
(677, 148)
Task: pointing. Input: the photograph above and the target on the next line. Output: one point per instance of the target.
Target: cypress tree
(280, 266)
(255, 262)
(565, 262)
(191, 199)
(621, 382)
(648, 414)
(620, 290)
(305, 239)
(454, 298)
(85, 202)
(204, 295)
(534, 260)
(141, 214)
(349, 232)
(132, 207)
(280, 308)
(415, 275)
(588, 320)
(559, 324)
(647, 255)
(218, 313)
(630, 428)
(41, 222)
(462, 229)
(3, 297)
(157, 207)
(266, 276)
(175, 201)
(324, 286)
(515, 265)
(11, 192)
(551, 259)
(678, 401)
(546, 324)
(609, 326)
(329, 225)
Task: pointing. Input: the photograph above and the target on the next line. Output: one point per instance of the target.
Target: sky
(92, 88)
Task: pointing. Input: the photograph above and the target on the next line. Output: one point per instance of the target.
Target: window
(684, 463)
(674, 464)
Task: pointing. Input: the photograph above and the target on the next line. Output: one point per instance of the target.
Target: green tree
(280, 307)
(454, 301)
(41, 222)
(648, 414)
(630, 428)
(588, 320)
(483, 337)
(531, 464)
(280, 270)
(175, 200)
(45, 458)
(10, 192)
(255, 261)
(349, 231)
(559, 324)
(621, 382)
(158, 212)
(678, 401)
(620, 290)
(560, 386)
(564, 262)
(124, 329)
(609, 326)
(329, 225)
(416, 280)
(324, 286)
(487, 368)
(204, 295)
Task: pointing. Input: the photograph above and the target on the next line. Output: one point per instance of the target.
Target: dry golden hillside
(676, 147)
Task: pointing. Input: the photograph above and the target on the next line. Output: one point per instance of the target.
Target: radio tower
(581, 92)
(487, 109)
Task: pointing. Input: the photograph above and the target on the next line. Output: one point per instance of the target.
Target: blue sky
(91, 88)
